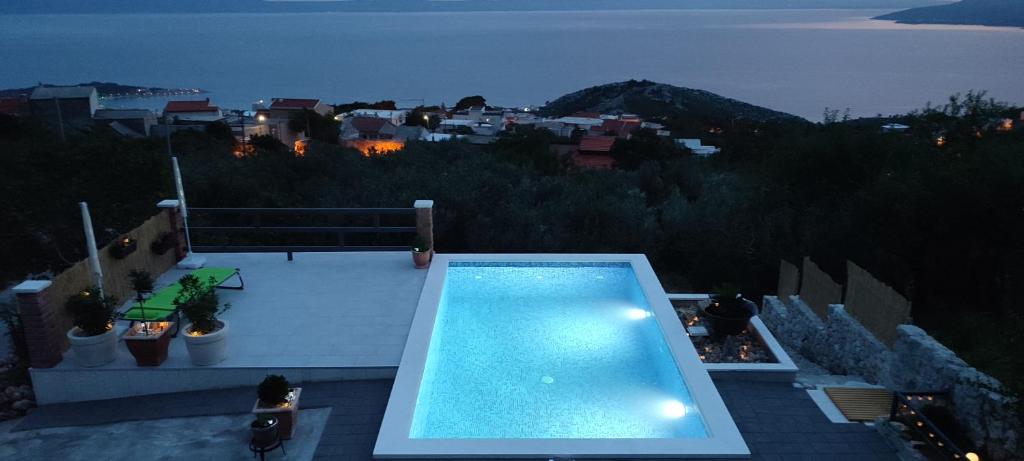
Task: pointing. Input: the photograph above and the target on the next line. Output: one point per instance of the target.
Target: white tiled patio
(321, 316)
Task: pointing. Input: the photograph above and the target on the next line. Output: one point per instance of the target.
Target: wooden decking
(861, 403)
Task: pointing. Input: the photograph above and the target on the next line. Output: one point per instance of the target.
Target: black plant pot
(723, 324)
(160, 246)
(264, 435)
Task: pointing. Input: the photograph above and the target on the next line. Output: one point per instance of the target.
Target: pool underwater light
(673, 409)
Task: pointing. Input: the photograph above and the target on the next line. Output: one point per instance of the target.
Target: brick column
(38, 317)
(425, 221)
(173, 211)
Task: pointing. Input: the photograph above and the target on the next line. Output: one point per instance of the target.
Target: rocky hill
(665, 102)
(968, 12)
(112, 90)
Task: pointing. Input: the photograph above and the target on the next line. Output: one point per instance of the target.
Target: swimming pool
(550, 355)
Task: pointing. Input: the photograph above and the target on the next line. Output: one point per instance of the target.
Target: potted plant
(147, 341)
(421, 252)
(206, 336)
(92, 339)
(729, 313)
(162, 244)
(276, 398)
(264, 431)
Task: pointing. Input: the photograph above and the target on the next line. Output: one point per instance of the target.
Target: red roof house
(176, 107)
(596, 145)
(292, 104)
(369, 128)
(617, 128)
(13, 106)
(594, 152)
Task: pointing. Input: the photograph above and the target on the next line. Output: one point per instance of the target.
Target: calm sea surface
(799, 61)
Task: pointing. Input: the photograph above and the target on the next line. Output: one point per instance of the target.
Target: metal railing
(289, 230)
(904, 406)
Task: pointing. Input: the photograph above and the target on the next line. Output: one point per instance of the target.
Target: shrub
(199, 302)
(92, 312)
(18, 372)
(273, 390)
(420, 245)
(142, 281)
(728, 302)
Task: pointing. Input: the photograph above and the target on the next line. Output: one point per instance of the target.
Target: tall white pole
(90, 244)
(181, 202)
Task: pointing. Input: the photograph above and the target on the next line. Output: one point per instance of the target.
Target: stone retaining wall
(915, 362)
(922, 363)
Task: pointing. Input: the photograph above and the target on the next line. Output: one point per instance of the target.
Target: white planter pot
(208, 349)
(93, 351)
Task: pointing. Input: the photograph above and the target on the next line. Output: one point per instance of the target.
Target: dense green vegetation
(941, 224)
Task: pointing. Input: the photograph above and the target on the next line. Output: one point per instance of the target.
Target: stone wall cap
(423, 204)
(167, 204)
(32, 286)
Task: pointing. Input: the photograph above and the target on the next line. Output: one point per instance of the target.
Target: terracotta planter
(93, 351)
(149, 350)
(208, 349)
(421, 259)
(287, 414)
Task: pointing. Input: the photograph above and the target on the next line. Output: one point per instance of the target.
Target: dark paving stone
(777, 421)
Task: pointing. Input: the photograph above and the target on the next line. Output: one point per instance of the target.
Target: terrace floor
(320, 317)
(320, 310)
(778, 421)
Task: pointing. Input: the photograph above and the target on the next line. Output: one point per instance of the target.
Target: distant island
(672, 104)
(1006, 13)
(113, 90)
(307, 6)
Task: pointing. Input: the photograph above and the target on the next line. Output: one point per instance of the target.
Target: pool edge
(724, 438)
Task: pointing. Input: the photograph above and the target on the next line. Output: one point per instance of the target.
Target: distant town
(372, 128)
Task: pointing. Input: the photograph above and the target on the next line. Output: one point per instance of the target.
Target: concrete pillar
(425, 221)
(171, 207)
(39, 319)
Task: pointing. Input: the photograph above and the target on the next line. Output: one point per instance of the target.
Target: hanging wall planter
(123, 247)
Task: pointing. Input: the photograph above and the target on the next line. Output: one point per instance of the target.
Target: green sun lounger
(160, 307)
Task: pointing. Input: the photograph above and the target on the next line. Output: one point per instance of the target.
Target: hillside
(666, 102)
(968, 12)
(296, 6)
(111, 90)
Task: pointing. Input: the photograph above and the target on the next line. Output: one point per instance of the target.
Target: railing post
(425, 220)
(177, 227)
(40, 321)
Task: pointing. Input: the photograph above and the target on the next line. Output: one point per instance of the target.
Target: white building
(396, 117)
(696, 147)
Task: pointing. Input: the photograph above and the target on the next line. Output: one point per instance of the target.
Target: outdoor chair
(160, 306)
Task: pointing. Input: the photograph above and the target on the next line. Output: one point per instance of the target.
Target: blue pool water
(549, 350)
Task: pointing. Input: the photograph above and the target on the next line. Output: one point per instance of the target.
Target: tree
(644, 145)
(323, 128)
(471, 101)
(355, 105)
(423, 116)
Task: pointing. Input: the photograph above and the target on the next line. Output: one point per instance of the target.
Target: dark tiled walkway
(777, 421)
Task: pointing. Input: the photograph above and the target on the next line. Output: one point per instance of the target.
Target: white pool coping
(724, 439)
